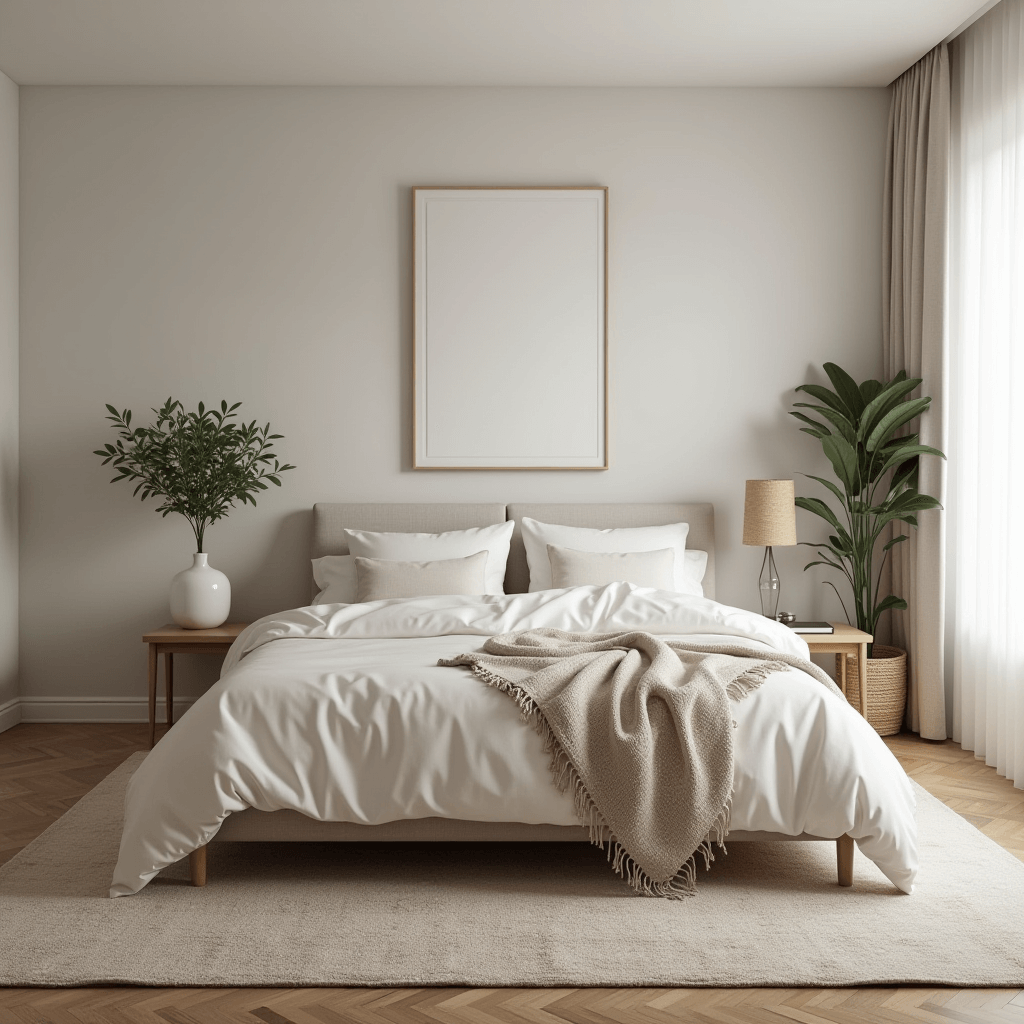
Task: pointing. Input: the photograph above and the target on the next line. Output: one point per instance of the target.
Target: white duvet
(342, 713)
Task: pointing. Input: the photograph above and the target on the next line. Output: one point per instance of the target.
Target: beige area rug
(503, 915)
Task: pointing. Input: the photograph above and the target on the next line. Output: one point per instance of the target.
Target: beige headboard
(330, 520)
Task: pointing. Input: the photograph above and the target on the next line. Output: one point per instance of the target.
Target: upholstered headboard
(330, 520)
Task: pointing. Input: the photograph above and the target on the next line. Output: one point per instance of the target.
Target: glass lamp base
(769, 585)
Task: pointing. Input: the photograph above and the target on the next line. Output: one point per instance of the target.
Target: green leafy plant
(200, 463)
(877, 473)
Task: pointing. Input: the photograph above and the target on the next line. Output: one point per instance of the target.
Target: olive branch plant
(877, 470)
(199, 463)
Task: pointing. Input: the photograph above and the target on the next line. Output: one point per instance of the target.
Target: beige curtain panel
(914, 339)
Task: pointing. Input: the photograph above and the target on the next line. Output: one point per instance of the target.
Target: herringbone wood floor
(44, 769)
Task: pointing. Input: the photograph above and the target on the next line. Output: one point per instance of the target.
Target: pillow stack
(395, 565)
(415, 565)
(574, 569)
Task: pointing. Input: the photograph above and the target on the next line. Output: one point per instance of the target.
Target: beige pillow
(378, 579)
(431, 547)
(571, 568)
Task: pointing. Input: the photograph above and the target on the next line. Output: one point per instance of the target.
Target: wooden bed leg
(197, 866)
(844, 860)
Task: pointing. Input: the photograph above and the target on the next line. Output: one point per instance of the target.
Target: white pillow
(537, 536)
(378, 579)
(432, 547)
(695, 564)
(335, 575)
(570, 568)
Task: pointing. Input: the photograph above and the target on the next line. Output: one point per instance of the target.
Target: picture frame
(510, 313)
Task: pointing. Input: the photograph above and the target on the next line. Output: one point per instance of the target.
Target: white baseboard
(10, 714)
(91, 709)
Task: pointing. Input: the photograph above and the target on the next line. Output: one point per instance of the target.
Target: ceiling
(472, 42)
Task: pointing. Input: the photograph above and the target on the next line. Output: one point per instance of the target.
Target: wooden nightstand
(170, 640)
(845, 640)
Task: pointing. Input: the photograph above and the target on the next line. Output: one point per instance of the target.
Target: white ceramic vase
(200, 595)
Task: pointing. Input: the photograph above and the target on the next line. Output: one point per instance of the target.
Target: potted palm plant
(876, 467)
(199, 464)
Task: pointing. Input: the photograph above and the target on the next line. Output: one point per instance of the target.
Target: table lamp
(769, 520)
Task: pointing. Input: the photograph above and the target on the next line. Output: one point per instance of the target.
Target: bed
(247, 762)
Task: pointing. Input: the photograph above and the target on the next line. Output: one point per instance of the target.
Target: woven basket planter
(887, 687)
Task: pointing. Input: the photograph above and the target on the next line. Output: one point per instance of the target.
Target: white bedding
(341, 712)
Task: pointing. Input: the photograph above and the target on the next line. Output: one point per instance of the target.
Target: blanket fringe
(566, 778)
(748, 681)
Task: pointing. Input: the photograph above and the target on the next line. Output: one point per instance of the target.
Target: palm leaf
(882, 521)
(890, 396)
(844, 461)
(819, 427)
(869, 389)
(822, 394)
(907, 452)
(837, 419)
(846, 388)
(905, 476)
(827, 483)
(825, 561)
(889, 602)
(911, 501)
(840, 546)
(895, 419)
(819, 508)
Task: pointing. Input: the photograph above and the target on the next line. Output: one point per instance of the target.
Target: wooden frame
(510, 335)
(844, 850)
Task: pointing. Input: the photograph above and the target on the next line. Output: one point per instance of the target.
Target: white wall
(254, 244)
(9, 711)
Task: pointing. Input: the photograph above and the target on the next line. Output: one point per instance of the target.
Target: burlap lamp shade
(769, 513)
(769, 520)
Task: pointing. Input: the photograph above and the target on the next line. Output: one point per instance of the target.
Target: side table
(845, 640)
(170, 640)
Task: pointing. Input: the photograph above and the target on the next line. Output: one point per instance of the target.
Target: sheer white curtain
(986, 277)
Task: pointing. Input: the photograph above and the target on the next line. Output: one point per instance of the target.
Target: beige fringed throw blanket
(640, 730)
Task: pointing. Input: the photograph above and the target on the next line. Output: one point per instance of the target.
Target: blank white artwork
(510, 328)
